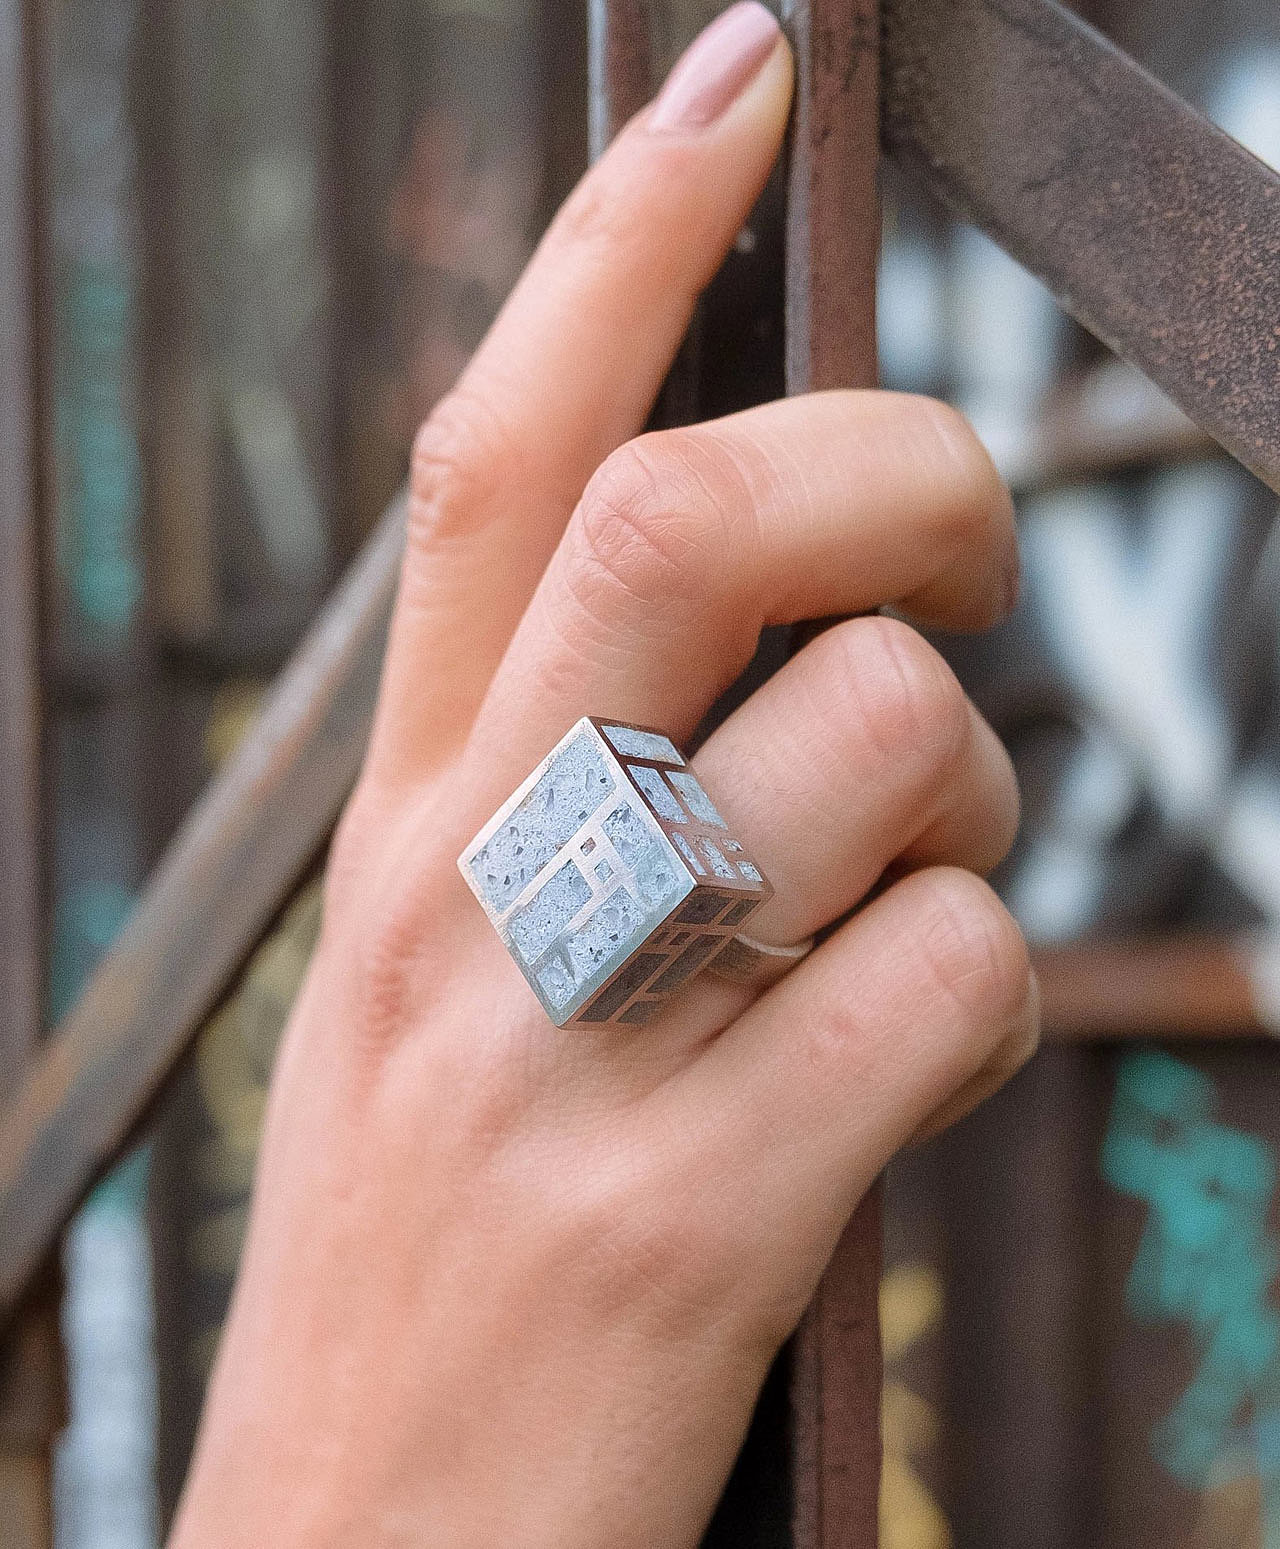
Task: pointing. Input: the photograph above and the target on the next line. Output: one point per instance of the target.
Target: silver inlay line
(658, 793)
(573, 786)
(695, 798)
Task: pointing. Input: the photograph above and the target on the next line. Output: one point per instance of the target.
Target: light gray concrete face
(610, 876)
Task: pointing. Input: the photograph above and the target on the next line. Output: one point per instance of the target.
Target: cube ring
(610, 876)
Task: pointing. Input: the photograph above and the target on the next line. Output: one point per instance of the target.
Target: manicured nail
(716, 68)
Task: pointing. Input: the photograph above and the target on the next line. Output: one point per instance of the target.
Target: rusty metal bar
(832, 230)
(1188, 985)
(833, 245)
(620, 66)
(237, 860)
(21, 897)
(31, 1387)
(1156, 231)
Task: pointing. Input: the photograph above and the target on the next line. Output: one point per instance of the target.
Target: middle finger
(688, 542)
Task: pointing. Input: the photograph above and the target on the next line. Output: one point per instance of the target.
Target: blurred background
(272, 231)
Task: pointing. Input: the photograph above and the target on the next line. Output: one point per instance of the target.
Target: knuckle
(641, 1261)
(973, 950)
(455, 470)
(642, 529)
(596, 215)
(606, 220)
(902, 695)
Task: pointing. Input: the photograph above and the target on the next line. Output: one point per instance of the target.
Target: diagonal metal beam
(1151, 227)
(236, 862)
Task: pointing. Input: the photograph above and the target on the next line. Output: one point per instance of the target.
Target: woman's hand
(511, 1285)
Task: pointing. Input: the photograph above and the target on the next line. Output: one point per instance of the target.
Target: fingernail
(716, 68)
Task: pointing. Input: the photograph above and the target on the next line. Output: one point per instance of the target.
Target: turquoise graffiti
(100, 471)
(88, 915)
(1205, 1260)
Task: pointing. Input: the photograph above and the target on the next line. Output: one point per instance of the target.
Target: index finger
(569, 371)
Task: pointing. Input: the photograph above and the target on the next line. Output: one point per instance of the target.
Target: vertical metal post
(619, 66)
(833, 240)
(20, 912)
(30, 1386)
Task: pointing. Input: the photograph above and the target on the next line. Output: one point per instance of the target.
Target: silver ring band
(759, 963)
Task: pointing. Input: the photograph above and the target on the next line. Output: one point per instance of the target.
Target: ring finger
(862, 753)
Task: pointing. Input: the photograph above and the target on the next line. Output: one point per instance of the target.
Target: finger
(570, 368)
(801, 1103)
(687, 542)
(862, 752)
(1011, 1054)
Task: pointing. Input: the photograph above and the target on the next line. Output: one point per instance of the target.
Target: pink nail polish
(716, 68)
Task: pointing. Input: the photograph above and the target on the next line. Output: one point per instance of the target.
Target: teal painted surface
(1207, 1261)
(87, 919)
(100, 497)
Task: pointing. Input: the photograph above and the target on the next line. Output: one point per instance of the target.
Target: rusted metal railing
(1151, 227)
(832, 249)
(30, 1376)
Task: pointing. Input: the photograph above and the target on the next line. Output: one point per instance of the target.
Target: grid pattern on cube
(549, 912)
(672, 957)
(709, 914)
(601, 936)
(690, 854)
(633, 742)
(695, 798)
(557, 981)
(715, 855)
(699, 852)
(597, 929)
(643, 853)
(587, 874)
(657, 792)
(576, 782)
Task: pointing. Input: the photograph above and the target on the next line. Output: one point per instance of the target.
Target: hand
(511, 1285)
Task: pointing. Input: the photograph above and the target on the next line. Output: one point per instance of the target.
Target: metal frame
(30, 1358)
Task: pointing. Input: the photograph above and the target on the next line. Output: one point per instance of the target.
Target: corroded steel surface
(620, 62)
(833, 243)
(1153, 229)
(20, 901)
(31, 1376)
(1183, 983)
